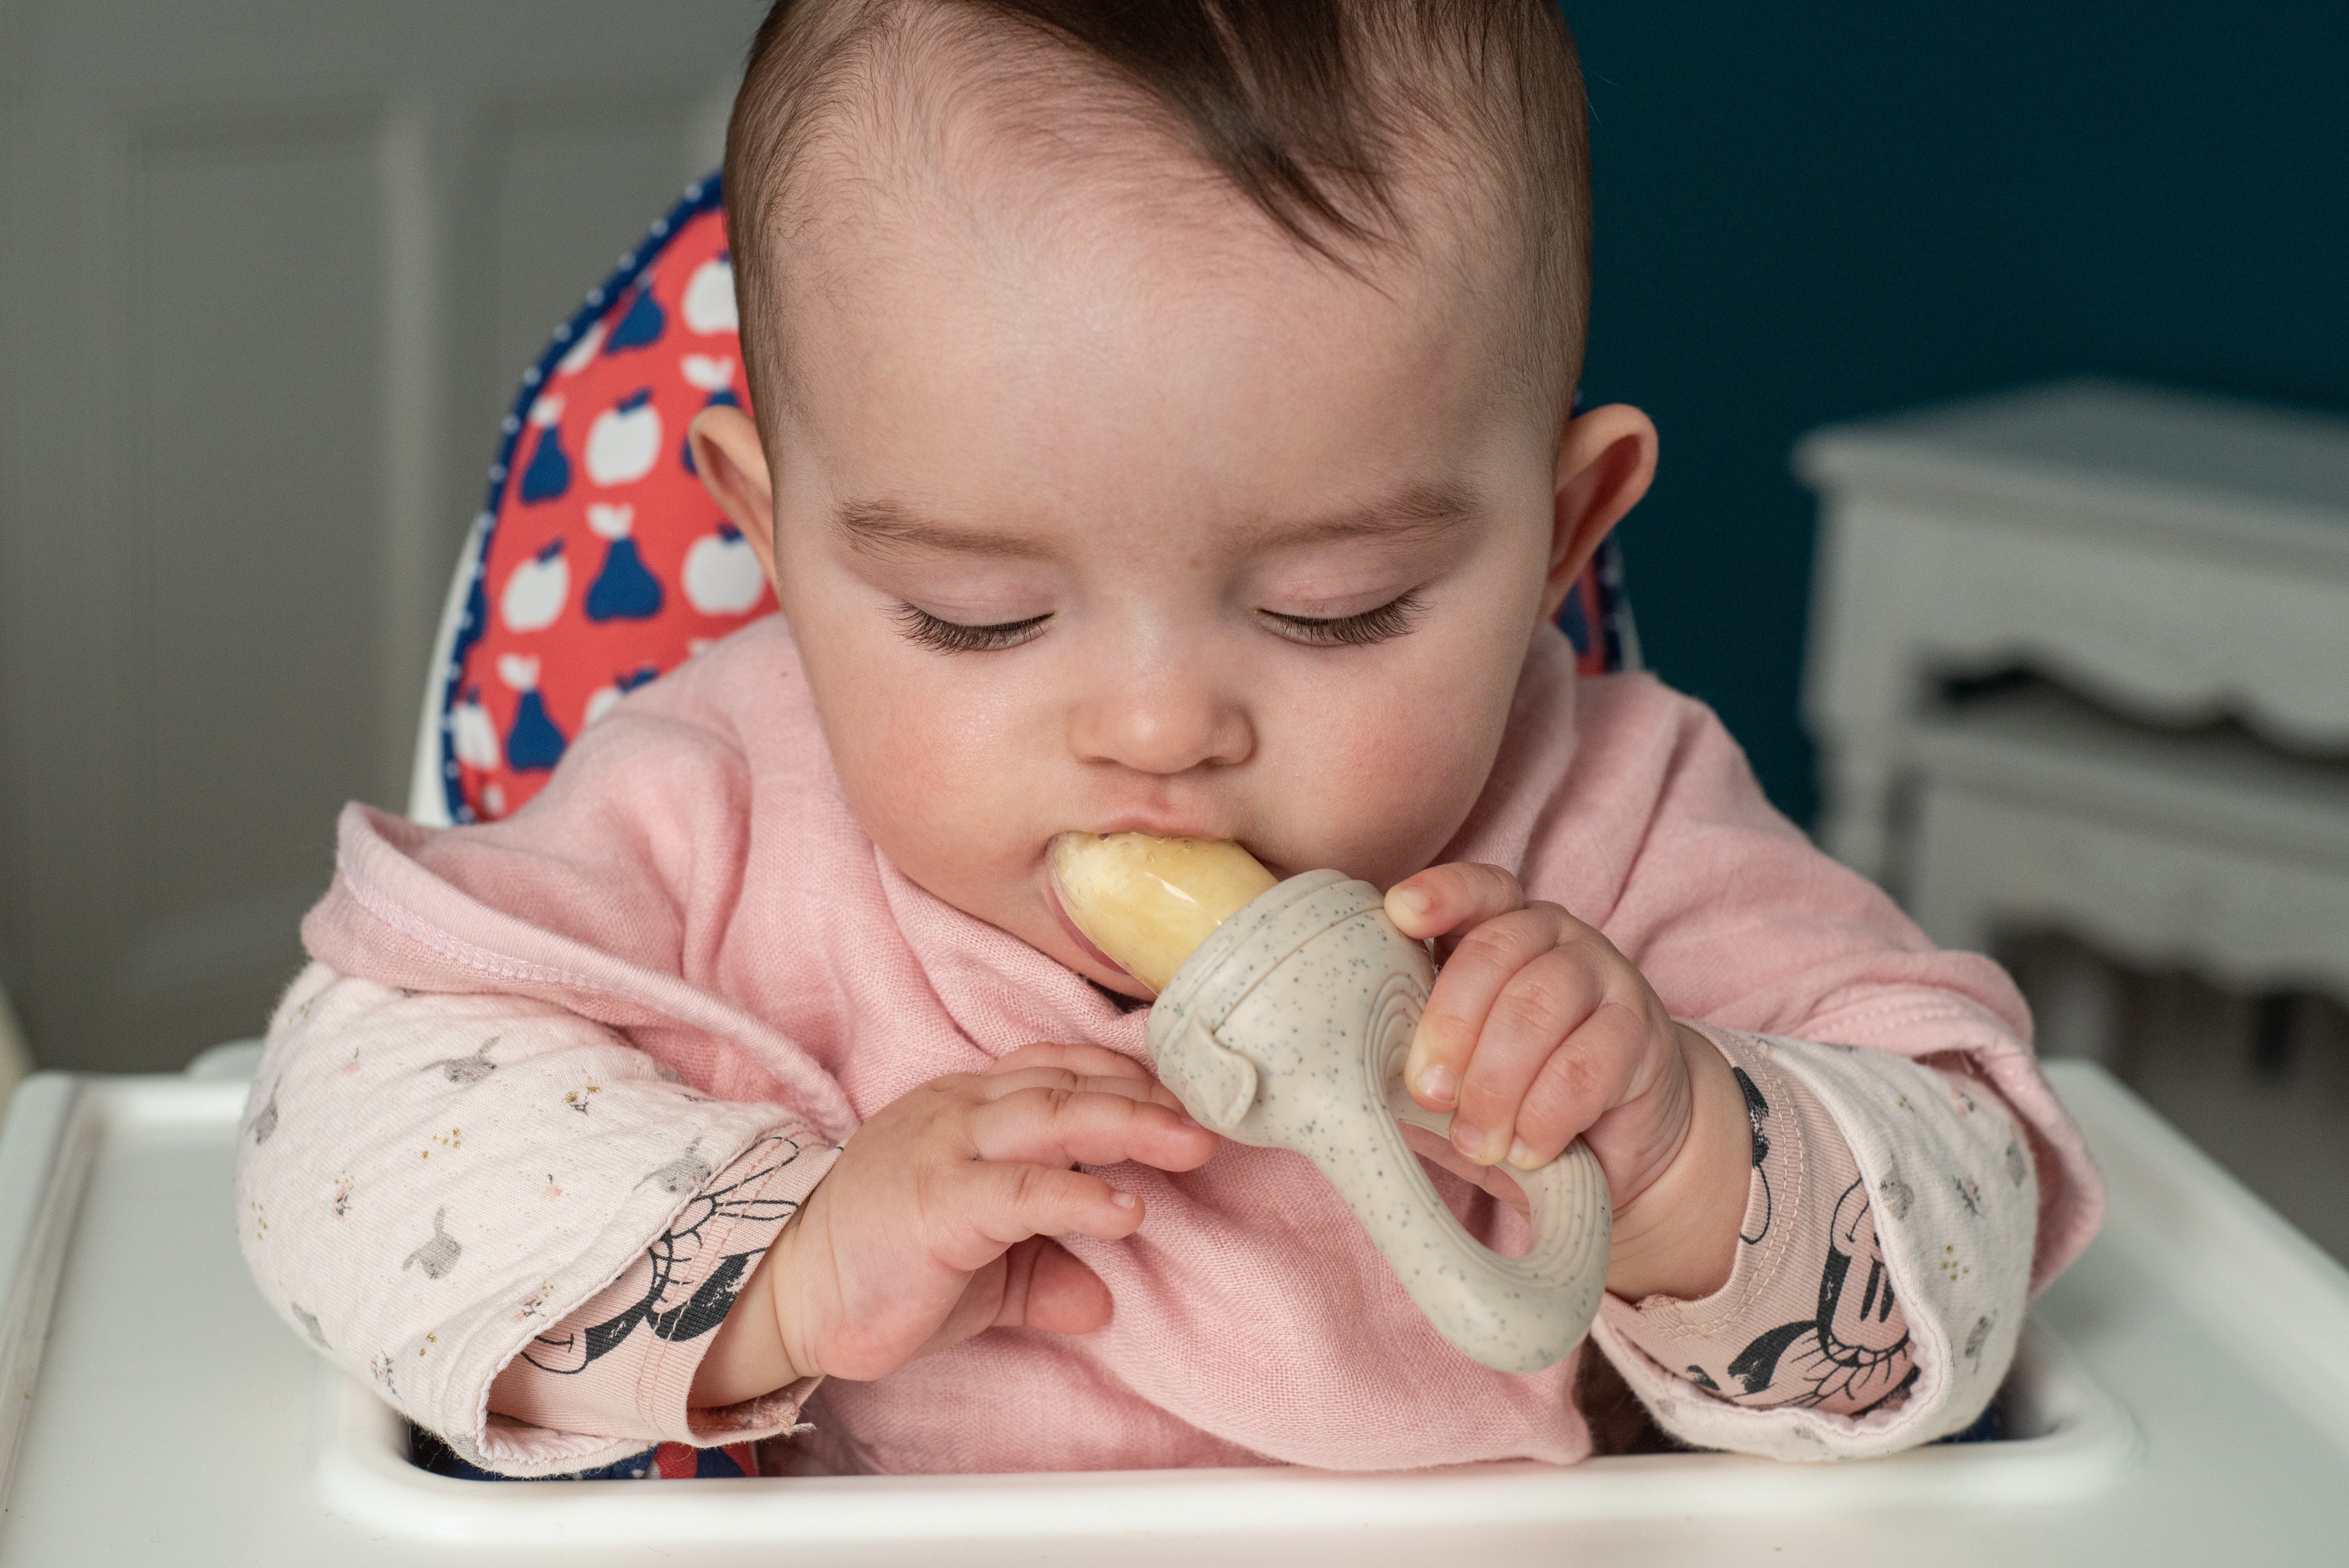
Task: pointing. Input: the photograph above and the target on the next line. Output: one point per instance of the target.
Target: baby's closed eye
(1393, 619)
(946, 637)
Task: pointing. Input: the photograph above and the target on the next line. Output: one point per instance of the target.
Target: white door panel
(269, 274)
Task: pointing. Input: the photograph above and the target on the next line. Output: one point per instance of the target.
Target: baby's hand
(933, 1225)
(1539, 1031)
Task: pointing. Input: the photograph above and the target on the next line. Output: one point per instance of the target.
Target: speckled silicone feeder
(1285, 1012)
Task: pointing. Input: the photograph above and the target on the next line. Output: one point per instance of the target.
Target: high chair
(2181, 1396)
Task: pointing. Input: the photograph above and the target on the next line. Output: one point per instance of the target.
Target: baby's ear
(1606, 460)
(732, 463)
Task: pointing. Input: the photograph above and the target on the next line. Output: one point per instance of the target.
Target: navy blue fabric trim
(699, 197)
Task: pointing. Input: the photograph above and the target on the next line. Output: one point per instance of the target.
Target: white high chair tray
(2182, 1397)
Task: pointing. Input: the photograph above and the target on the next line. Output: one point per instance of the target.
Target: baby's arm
(1539, 1031)
(428, 1182)
(1979, 1187)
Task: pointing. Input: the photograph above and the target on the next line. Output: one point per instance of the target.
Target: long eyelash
(952, 637)
(1389, 621)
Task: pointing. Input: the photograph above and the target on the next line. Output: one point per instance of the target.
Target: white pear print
(709, 303)
(625, 441)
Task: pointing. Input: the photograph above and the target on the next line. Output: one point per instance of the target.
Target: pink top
(692, 880)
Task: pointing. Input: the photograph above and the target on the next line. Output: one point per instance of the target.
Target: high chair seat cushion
(598, 562)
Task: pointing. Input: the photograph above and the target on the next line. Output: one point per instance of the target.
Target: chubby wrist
(750, 1353)
(1678, 1236)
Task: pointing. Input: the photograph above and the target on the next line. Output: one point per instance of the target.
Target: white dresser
(2181, 563)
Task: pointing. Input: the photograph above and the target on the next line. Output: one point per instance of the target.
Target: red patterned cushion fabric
(599, 563)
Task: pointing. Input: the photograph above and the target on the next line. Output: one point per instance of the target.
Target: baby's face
(1103, 520)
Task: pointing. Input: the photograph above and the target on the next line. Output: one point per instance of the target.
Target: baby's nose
(1162, 722)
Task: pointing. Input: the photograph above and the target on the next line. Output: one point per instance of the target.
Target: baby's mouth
(1068, 927)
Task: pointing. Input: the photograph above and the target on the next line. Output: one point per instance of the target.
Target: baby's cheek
(942, 788)
(1394, 774)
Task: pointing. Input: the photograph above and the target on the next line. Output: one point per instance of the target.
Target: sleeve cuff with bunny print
(1881, 1270)
(623, 1362)
(1808, 1318)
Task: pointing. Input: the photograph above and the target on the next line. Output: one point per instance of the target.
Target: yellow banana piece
(1148, 903)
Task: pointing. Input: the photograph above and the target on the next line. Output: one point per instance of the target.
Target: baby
(1161, 425)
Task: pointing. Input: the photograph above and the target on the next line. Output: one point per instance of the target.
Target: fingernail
(1413, 901)
(1472, 1141)
(1437, 1087)
(1520, 1156)
(1124, 1199)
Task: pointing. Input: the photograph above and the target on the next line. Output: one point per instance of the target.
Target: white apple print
(709, 303)
(536, 592)
(472, 733)
(519, 671)
(721, 576)
(707, 372)
(625, 441)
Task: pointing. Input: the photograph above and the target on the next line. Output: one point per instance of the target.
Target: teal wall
(1812, 209)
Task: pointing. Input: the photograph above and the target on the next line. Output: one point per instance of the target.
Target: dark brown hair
(1311, 109)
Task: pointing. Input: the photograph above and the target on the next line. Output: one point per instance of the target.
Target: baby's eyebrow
(1416, 511)
(888, 527)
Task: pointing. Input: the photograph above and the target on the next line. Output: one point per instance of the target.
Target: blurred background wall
(1828, 207)
(269, 272)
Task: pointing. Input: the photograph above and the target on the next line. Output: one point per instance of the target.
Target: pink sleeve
(622, 1364)
(1807, 1319)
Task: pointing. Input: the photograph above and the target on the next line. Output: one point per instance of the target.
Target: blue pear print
(641, 326)
(549, 473)
(625, 590)
(533, 744)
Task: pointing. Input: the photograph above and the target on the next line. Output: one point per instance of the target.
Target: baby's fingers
(1536, 1040)
(1000, 1205)
(1090, 1061)
(1001, 1082)
(1444, 899)
(1051, 1125)
(1487, 959)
